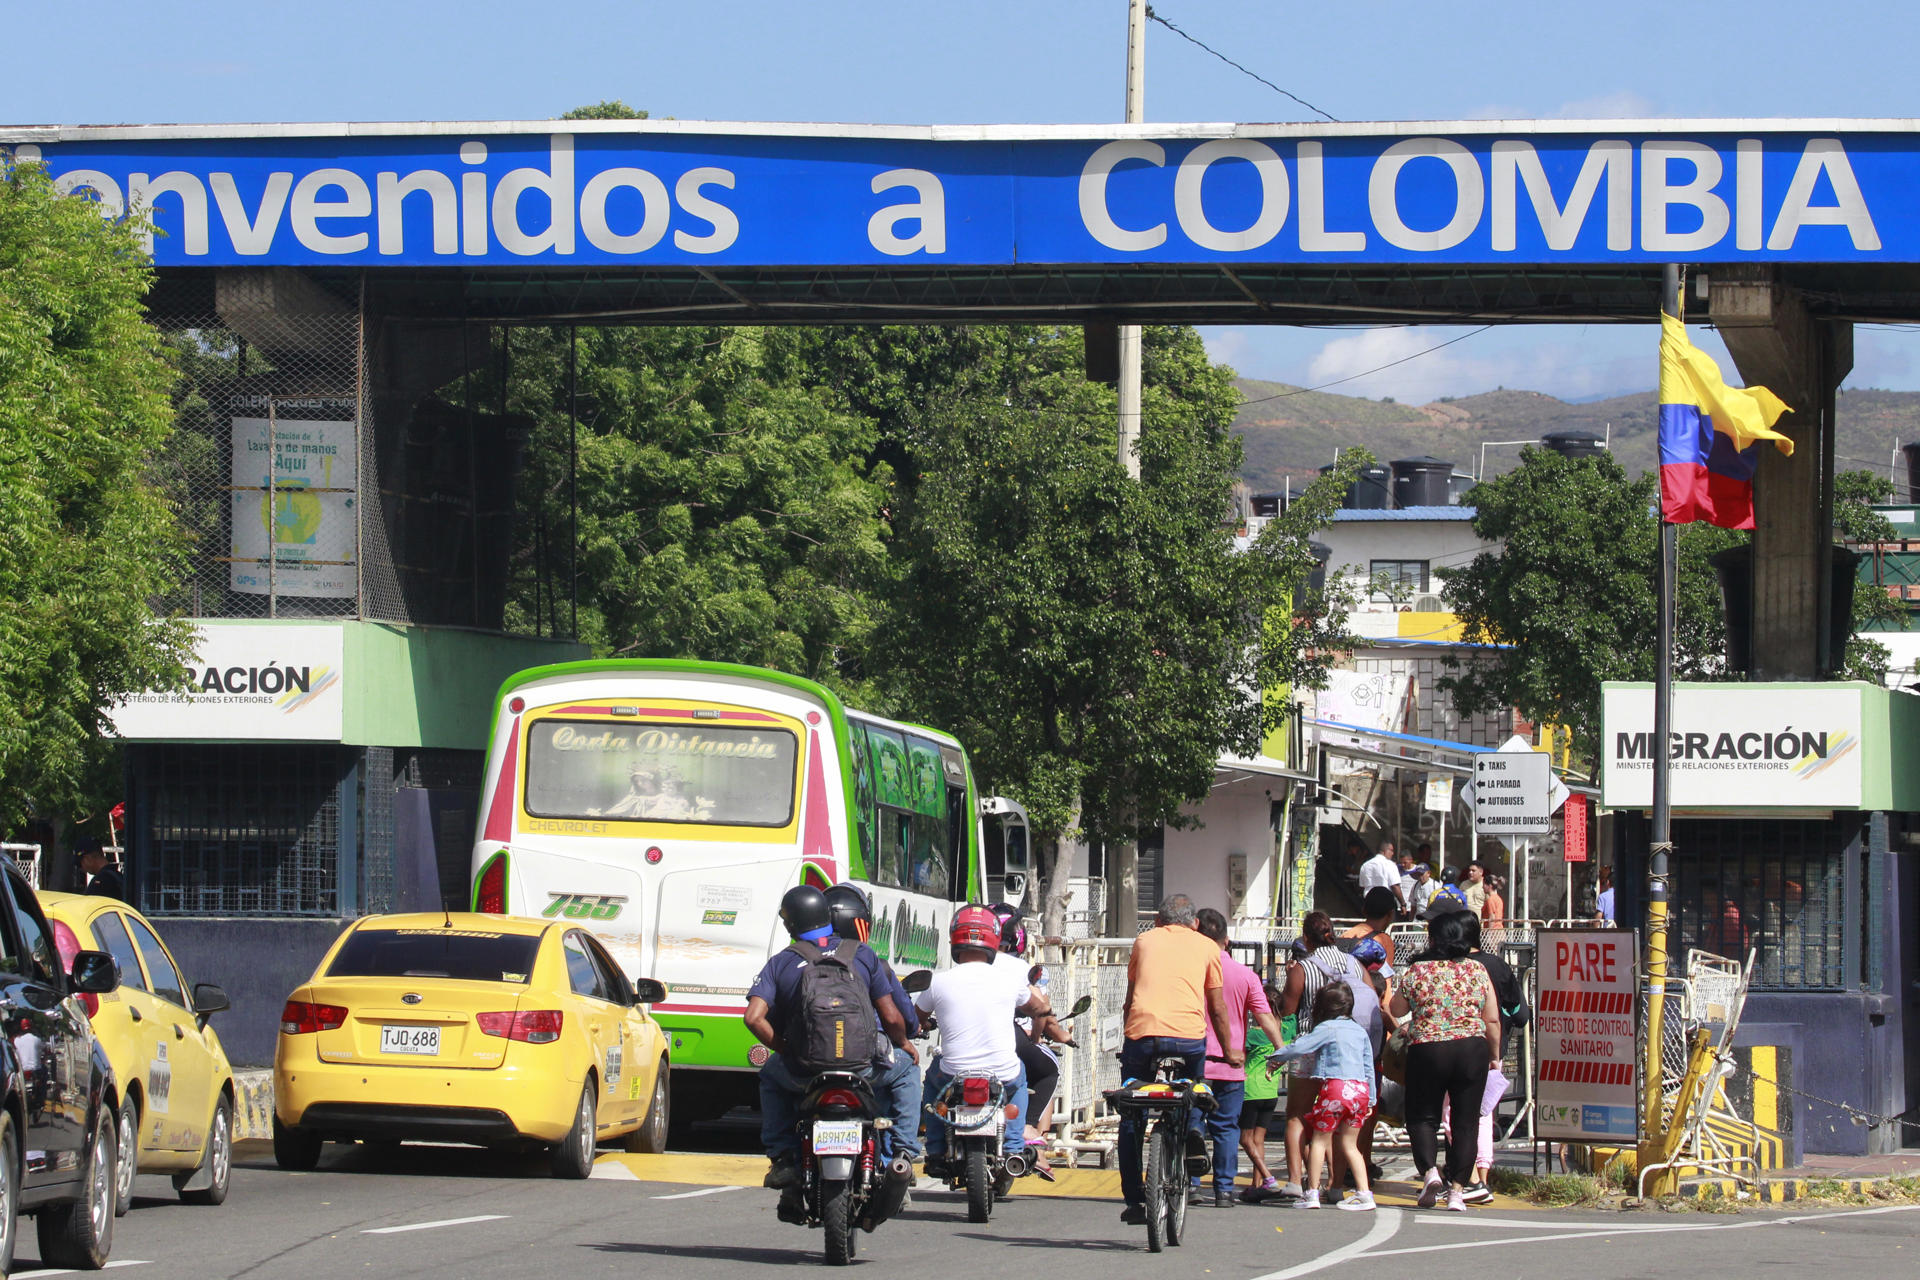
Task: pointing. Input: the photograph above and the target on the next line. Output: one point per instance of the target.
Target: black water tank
(1371, 490)
(1734, 568)
(1317, 580)
(1574, 445)
(1913, 471)
(1265, 504)
(1422, 482)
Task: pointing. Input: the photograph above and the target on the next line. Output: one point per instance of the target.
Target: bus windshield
(641, 772)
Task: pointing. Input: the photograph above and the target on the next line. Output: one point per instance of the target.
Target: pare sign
(1585, 1035)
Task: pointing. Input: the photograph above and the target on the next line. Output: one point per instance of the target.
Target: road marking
(704, 1191)
(1470, 1219)
(1385, 1223)
(1600, 1232)
(428, 1226)
(68, 1271)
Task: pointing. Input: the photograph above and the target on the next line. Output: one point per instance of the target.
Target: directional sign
(1512, 793)
(1585, 1033)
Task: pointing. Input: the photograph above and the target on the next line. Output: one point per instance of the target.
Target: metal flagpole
(1653, 1129)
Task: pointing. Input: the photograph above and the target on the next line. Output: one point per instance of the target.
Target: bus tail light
(490, 895)
(302, 1018)
(530, 1026)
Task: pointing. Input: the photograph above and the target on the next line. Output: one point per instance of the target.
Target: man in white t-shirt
(1380, 871)
(974, 1004)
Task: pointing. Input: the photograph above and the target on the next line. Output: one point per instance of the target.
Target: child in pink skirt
(1344, 1066)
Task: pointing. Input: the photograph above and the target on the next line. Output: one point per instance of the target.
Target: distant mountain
(1289, 434)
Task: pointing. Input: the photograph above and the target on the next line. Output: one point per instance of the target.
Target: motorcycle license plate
(836, 1137)
(972, 1117)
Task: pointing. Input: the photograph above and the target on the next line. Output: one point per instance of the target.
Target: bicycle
(1166, 1103)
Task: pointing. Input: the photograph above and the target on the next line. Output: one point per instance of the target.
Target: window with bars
(1395, 580)
(254, 830)
(1772, 885)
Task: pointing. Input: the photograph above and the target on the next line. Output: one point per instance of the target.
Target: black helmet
(852, 915)
(803, 910)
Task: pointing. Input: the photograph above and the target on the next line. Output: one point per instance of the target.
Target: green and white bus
(668, 805)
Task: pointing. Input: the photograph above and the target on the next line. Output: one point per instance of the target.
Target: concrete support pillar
(1777, 343)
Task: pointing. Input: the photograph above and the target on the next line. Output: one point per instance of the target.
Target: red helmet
(975, 926)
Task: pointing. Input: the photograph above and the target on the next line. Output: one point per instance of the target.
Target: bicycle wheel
(1174, 1183)
(1160, 1158)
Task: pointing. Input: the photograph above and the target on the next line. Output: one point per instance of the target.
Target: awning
(1257, 767)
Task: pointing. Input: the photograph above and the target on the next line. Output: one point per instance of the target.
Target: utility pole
(1130, 333)
(1122, 861)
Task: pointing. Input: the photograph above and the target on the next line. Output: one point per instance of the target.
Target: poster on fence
(309, 514)
(1585, 1025)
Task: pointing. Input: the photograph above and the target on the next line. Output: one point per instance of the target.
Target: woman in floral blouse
(1453, 1037)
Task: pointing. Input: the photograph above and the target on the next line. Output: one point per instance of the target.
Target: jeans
(781, 1091)
(1223, 1127)
(897, 1089)
(780, 1095)
(1136, 1063)
(1016, 1134)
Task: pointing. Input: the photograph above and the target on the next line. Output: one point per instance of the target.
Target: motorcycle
(845, 1185)
(976, 1111)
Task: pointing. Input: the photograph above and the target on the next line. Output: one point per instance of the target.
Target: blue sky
(992, 61)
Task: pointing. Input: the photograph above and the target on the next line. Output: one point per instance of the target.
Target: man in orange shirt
(1174, 989)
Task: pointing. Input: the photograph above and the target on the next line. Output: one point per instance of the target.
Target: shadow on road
(716, 1252)
(418, 1160)
(1057, 1242)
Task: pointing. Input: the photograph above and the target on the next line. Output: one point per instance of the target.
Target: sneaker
(1291, 1191)
(1456, 1203)
(1308, 1200)
(1134, 1215)
(1198, 1161)
(1430, 1194)
(781, 1173)
(1197, 1198)
(1359, 1201)
(1476, 1193)
(1256, 1193)
(1225, 1200)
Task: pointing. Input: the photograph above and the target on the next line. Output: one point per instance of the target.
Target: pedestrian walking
(1453, 1035)
(1246, 1000)
(1257, 1107)
(1323, 963)
(1343, 1057)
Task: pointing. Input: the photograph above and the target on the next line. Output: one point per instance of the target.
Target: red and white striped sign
(1584, 1035)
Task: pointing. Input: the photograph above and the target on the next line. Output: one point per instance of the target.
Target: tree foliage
(1570, 593)
(86, 539)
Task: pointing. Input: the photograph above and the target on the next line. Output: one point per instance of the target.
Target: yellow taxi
(471, 1028)
(177, 1105)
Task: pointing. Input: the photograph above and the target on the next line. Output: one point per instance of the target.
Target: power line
(1425, 351)
(1154, 17)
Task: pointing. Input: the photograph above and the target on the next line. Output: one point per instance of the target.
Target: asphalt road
(448, 1211)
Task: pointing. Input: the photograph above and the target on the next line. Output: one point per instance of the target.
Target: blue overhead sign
(533, 196)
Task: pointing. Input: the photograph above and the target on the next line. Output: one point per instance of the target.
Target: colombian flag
(1709, 436)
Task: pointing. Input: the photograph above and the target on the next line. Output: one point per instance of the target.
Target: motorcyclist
(974, 1004)
(773, 1000)
(1042, 1068)
(896, 1072)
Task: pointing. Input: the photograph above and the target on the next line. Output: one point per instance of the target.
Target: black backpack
(832, 1025)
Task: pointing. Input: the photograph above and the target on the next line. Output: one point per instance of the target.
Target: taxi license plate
(836, 1137)
(417, 1040)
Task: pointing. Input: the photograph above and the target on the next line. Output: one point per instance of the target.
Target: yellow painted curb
(693, 1170)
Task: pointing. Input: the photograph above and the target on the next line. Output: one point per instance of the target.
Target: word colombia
(804, 199)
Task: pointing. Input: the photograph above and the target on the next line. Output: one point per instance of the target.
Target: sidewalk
(1818, 1177)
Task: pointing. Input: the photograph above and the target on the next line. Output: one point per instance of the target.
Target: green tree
(88, 538)
(1570, 591)
(1094, 640)
(608, 109)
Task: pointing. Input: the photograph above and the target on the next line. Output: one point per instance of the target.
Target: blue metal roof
(1350, 515)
